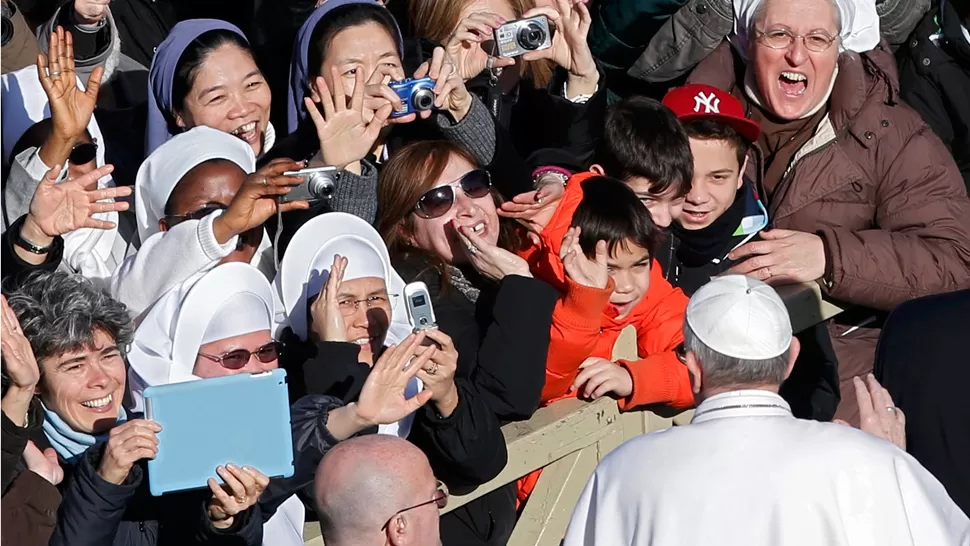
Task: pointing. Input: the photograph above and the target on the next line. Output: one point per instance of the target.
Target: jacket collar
(742, 403)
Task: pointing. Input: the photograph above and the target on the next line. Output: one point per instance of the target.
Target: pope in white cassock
(746, 472)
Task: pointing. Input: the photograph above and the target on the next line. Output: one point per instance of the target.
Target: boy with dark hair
(722, 210)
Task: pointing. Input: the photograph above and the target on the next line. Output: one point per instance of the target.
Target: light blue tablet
(243, 419)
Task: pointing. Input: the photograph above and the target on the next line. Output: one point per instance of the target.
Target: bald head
(364, 481)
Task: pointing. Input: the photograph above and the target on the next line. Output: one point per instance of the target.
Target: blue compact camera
(416, 95)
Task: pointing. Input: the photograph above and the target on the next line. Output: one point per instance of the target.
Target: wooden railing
(567, 439)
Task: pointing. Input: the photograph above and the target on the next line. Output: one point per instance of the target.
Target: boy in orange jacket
(597, 249)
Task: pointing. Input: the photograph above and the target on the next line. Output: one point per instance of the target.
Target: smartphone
(318, 185)
(418, 302)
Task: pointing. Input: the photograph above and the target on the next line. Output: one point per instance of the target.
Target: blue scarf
(67, 442)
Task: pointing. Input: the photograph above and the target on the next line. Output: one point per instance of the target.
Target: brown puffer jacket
(884, 194)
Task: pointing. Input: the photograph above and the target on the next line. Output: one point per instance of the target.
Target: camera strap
(494, 93)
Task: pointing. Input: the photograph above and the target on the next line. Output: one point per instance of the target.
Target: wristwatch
(30, 247)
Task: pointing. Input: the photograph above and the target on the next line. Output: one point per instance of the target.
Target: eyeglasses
(349, 307)
(440, 498)
(175, 219)
(779, 38)
(83, 153)
(235, 360)
(437, 201)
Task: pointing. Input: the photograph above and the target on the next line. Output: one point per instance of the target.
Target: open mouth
(695, 217)
(248, 132)
(364, 341)
(793, 84)
(100, 404)
(478, 228)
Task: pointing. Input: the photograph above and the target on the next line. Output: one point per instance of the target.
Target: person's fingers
(93, 86)
(775, 234)
(441, 338)
(262, 480)
(593, 383)
(339, 96)
(749, 249)
(226, 502)
(469, 35)
(279, 166)
(604, 388)
(880, 396)
(294, 205)
(94, 223)
(109, 193)
(602, 253)
(435, 71)
(550, 14)
(327, 99)
(377, 123)
(422, 70)
(414, 403)
(381, 91)
(527, 198)
(519, 208)
(357, 99)
(247, 480)
(314, 113)
(863, 400)
(42, 75)
(236, 488)
(901, 418)
(751, 265)
(51, 455)
(841, 422)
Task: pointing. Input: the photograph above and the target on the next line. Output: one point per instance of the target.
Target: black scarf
(699, 246)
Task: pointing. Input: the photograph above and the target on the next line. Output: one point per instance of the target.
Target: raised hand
(328, 321)
(378, 94)
(490, 260)
(20, 366)
(241, 490)
(345, 137)
(382, 399)
(127, 444)
(593, 273)
(256, 202)
(438, 375)
(71, 108)
(534, 209)
(449, 89)
(570, 49)
(43, 463)
(59, 208)
(465, 44)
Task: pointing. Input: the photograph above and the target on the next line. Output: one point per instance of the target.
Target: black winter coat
(99, 513)
(934, 76)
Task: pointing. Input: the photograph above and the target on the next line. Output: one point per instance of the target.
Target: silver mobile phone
(418, 302)
(318, 185)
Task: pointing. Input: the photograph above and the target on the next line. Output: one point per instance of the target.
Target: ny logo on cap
(709, 102)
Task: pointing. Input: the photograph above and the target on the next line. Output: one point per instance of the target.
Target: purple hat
(162, 73)
(298, 63)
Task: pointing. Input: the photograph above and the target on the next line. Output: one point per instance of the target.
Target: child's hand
(593, 273)
(598, 377)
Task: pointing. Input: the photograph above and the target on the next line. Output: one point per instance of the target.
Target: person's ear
(314, 95)
(696, 374)
(162, 224)
(179, 120)
(793, 351)
(744, 167)
(397, 530)
(596, 168)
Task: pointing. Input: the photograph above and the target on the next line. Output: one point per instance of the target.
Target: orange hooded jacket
(583, 326)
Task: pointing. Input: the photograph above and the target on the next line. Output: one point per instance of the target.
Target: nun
(220, 323)
(94, 253)
(198, 204)
(205, 73)
(341, 306)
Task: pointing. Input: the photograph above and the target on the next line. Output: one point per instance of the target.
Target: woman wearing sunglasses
(344, 308)
(220, 323)
(438, 217)
(197, 205)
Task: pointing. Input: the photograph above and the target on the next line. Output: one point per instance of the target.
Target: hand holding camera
(448, 92)
(256, 201)
(345, 136)
(567, 46)
(466, 45)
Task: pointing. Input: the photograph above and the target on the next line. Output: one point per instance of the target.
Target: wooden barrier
(569, 438)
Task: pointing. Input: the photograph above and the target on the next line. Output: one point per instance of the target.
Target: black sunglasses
(175, 219)
(83, 153)
(234, 360)
(437, 201)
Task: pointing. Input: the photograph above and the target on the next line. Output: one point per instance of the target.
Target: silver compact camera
(318, 185)
(522, 36)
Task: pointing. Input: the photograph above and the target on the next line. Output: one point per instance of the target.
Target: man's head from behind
(611, 212)
(378, 489)
(737, 335)
(720, 136)
(645, 147)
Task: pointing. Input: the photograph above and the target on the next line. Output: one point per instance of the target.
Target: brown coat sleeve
(29, 510)
(920, 243)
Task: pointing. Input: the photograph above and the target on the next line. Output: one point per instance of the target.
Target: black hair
(643, 138)
(194, 54)
(610, 211)
(343, 17)
(713, 129)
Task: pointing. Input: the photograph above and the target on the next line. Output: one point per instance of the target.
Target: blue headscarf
(162, 73)
(298, 63)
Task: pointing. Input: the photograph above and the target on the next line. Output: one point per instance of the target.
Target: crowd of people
(194, 190)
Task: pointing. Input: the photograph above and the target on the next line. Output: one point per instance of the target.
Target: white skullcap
(740, 317)
(860, 24)
(242, 314)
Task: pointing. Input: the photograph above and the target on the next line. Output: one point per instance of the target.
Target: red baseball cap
(698, 101)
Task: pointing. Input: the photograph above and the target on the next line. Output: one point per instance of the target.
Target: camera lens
(423, 99)
(320, 185)
(531, 36)
(7, 31)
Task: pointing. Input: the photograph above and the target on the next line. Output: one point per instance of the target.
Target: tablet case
(243, 419)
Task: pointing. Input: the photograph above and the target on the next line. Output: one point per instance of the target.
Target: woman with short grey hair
(864, 199)
(69, 339)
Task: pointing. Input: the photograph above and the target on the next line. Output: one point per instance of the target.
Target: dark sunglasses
(175, 219)
(83, 153)
(440, 498)
(437, 201)
(234, 360)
